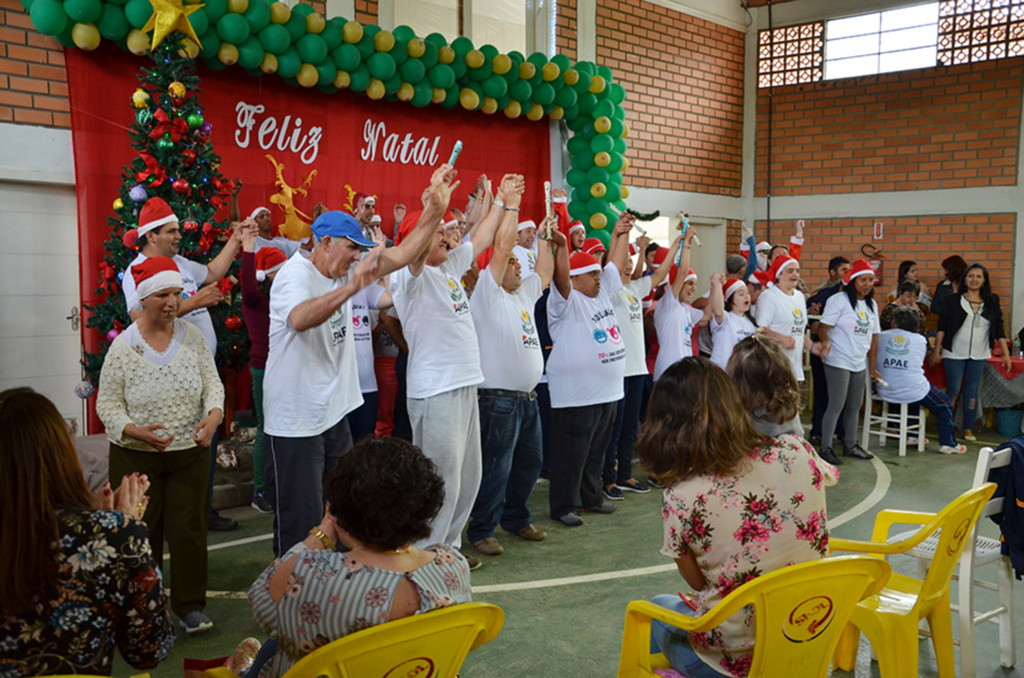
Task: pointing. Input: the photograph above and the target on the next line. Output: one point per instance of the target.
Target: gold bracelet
(324, 539)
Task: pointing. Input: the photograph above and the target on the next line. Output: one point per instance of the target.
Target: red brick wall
(565, 29)
(684, 103)
(366, 11)
(946, 127)
(33, 84)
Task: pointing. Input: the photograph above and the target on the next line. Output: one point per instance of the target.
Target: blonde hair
(764, 379)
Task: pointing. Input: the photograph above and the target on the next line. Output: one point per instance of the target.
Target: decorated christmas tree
(176, 162)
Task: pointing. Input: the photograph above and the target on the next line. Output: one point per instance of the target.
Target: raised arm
(413, 249)
(483, 233)
(218, 268)
(545, 267)
(480, 206)
(561, 278)
(510, 192)
(684, 263)
(662, 271)
(618, 253)
(314, 312)
(717, 299)
(641, 246)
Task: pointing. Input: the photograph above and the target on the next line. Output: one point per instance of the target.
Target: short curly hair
(385, 493)
(764, 378)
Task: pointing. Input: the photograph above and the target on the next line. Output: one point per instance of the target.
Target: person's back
(901, 356)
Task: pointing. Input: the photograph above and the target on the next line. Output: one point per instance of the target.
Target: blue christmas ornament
(84, 390)
(138, 193)
(120, 276)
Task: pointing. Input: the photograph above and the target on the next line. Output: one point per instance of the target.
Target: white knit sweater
(178, 396)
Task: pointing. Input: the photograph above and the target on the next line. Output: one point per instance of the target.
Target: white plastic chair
(978, 551)
(888, 419)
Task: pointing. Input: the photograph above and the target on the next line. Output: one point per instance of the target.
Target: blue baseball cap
(340, 225)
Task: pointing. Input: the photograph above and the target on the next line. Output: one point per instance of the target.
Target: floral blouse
(330, 595)
(770, 515)
(108, 593)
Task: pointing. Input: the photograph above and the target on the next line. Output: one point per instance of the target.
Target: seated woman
(767, 388)
(909, 292)
(79, 577)
(739, 505)
(381, 498)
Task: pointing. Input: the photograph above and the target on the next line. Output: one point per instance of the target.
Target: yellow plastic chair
(432, 644)
(890, 618)
(800, 612)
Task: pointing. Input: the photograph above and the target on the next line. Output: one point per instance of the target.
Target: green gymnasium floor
(565, 598)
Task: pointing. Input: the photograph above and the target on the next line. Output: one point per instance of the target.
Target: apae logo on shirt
(635, 315)
(339, 326)
(898, 347)
(798, 322)
(531, 260)
(863, 323)
(529, 340)
(459, 305)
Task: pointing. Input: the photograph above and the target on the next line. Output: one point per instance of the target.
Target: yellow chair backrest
(800, 611)
(430, 645)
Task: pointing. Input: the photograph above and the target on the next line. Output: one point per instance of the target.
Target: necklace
(393, 552)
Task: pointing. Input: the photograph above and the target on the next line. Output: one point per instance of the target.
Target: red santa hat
(449, 219)
(268, 260)
(731, 286)
(151, 276)
(582, 262)
(576, 226)
(363, 196)
(252, 215)
(633, 249)
(659, 257)
(674, 272)
(154, 214)
(592, 245)
(858, 268)
(523, 225)
(759, 278)
(781, 263)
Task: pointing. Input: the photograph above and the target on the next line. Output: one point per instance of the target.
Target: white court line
(883, 479)
(229, 544)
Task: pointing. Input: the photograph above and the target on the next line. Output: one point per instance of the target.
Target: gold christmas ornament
(140, 98)
(169, 16)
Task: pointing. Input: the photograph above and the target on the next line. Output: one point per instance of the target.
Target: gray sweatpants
(446, 427)
(845, 388)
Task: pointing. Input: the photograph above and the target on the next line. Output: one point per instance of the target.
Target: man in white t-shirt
(782, 312)
(312, 379)
(444, 363)
(585, 373)
(510, 355)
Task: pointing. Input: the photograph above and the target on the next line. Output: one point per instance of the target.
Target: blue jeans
(967, 373)
(511, 447)
(627, 421)
(940, 406)
(674, 644)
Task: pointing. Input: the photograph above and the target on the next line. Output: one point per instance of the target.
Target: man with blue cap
(311, 380)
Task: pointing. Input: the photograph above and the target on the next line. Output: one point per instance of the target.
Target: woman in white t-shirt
(849, 344)
(730, 317)
(674, 318)
(782, 311)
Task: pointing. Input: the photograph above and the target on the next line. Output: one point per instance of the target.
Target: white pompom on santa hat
(268, 260)
(151, 276)
(154, 214)
(581, 262)
(523, 225)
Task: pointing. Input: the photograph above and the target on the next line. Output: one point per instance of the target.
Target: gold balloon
(602, 125)
(535, 113)
(501, 64)
(625, 192)
(489, 106)
(557, 113)
(598, 190)
(602, 159)
(625, 164)
(475, 58)
(625, 131)
(416, 48)
(571, 77)
(598, 221)
(280, 13)
(469, 99)
(406, 92)
(513, 110)
(238, 6)
(527, 70)
(550, 71)
(228, 54)
(118, 204)
(269, 63)
(315, 23)
(189, 50)
(384, 41)
(438, 96)
(308, 75)
(375, 90)
(596, 85)
(352, 32)
(138, 42)
(445, 55)
(342, 80)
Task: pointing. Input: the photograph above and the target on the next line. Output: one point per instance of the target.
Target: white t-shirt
(900, 361)
(588, 360)
(733, 329)
(193, 275)
(289, 247)
(509, 344)
(443, 350)
(674, 323)
(787, 315)
(312, 379)
(527, 260)
(364, 302)
(851, 332)
(630, 314)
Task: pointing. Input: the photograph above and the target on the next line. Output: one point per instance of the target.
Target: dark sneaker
(634, 486)
(219, 523)
(828, 455)
(654, 482)
(601, 508)
(474, 563)
(613, 493)
(194, 622)
(570, 520)
(857, 452)
(261, 503)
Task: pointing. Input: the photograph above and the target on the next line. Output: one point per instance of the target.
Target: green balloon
(254, 72)
(490, 51)
(412, 71)
(451, 99)
(233, 28)
(250, 53)
(200, 22)
(597, 205)
(598, 175)
(616, 162)
(521, 91)
(602, 143)
(577, 144)
(326, 70)
(544, 94)
(605, 72)
(601, 234)
(291, 82)
(583, 161)
(211, 43)
(346, 57)
(620, 112)
(441, 76)
(612, 192)
(577, 209)
(360, 78)
(482, 73)
(566, 97)
(289, 63)
(365, 46)
(303, 9)
(585, 67)
(423, 93)
(495, 87)
(332, 34)
(311, 48)
(329, 88)
(576, 178)
(617, 128)
(562, 62)
(503, 102)
(583, 84)
(459, 67)
(436, 39)
(462, 46)
(537, 59)
(83, 11)
(430, 53)
(513, 73)
(214, 9)
(64, 37)
(604, 108)
(404, 33)
(620, 143)
(516, 56)
(136, 11)
(400, 52)
(49, 18)
(616, 93)
(275, 39)
(588, 132)
(577, 122)
(215, 64)
(112, 24)
(392, 84)
(587, 103)
(296, 25)
(614, 178)
(257, 14)
(580, 195)
(571, 113)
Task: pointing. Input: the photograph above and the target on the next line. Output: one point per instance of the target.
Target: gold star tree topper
(169, 16)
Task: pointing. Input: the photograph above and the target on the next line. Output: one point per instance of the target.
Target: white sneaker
(950, 449)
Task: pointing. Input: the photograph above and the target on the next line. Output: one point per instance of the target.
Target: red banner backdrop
(331, 145)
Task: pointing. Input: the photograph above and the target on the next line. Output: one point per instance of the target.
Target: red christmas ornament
(190, 225)
(189, 156)
(180, 185)
(119, 326)
(233, 323)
